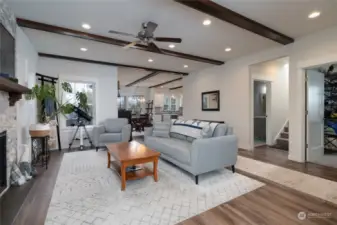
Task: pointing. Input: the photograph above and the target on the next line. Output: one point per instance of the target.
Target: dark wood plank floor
(268, 205)
(280, 158)
(28, 204)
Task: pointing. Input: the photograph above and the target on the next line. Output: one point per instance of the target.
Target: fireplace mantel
(14, 90)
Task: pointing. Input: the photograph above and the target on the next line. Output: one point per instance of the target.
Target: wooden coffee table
(129, 154)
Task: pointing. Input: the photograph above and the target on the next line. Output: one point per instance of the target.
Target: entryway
(269, 104)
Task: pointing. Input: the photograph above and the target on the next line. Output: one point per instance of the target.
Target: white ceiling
(287, 16)
(175, 20)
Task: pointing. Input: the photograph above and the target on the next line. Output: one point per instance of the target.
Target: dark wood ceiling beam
(155, 73)
(213, 9)
(107, 40)
(167, 82)
(174, 88)
(108, 63)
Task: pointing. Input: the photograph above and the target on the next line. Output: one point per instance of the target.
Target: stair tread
(283, 139)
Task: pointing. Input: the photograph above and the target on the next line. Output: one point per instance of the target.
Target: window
(173, 104)
(135, 103)
(170, 103)
(121, 102)
(88, 88)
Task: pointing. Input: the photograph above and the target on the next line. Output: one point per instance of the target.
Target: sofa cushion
(177, 149)
(115, 125)
(161, 129)
(220, 130)
(178, 136)
(206, 131)
(110, 137)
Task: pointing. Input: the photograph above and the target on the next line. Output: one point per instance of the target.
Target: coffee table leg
(109, 159)
(123, 175)
(155, 169)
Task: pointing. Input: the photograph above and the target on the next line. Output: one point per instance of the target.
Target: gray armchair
(111, 131)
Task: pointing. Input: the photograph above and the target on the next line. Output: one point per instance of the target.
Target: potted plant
(46, 92)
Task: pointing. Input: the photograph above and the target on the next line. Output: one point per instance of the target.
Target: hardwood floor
(28, 204)
(269, 205)
(280, 158)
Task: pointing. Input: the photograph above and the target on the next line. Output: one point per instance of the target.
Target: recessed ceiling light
(228, 49)
(86, 26)
(207, 22)
(84, 49)
(172, 46)
(314, 14)
(150, 60)
(161, 86)
(185, 66)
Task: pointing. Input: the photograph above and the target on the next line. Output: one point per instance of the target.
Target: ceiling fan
(146, 36)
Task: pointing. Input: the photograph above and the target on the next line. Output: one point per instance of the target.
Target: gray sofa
(111, 131)
(197, 156)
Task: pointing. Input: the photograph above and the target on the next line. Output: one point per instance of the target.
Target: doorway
(261, 93)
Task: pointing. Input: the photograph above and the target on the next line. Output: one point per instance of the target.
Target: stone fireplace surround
(8, 120)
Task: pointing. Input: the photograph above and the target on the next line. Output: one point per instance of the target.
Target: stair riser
(285, 135)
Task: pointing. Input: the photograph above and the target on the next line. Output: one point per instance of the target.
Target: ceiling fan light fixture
(314, 14)
(172, 46)
(86, 26)
(207, 22)
(150, 60)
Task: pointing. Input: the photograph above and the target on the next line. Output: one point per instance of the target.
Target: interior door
(315, 116)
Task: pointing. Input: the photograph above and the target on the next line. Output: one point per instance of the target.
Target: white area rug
(316, 186)
(86, 192)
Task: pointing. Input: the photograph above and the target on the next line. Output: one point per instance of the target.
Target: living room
(142, 112)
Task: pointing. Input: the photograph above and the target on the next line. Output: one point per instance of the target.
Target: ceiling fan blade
(167, 39)
(122, 33)
(130, 45)
(153, 47)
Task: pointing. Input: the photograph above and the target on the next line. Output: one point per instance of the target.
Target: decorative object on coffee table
(129, 154)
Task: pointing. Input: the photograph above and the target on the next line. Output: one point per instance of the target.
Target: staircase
(282, 141)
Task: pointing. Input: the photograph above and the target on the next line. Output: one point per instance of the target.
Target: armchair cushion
(115, 125)
(110, 137)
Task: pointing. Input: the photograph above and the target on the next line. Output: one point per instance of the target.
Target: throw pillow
(161, 130)
(206, 131)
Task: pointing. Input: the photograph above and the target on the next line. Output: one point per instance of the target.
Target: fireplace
(3, 161)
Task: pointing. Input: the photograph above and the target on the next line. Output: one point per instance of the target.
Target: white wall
(104, 77)
(277, 72)
(26, 62)
(232, 79)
